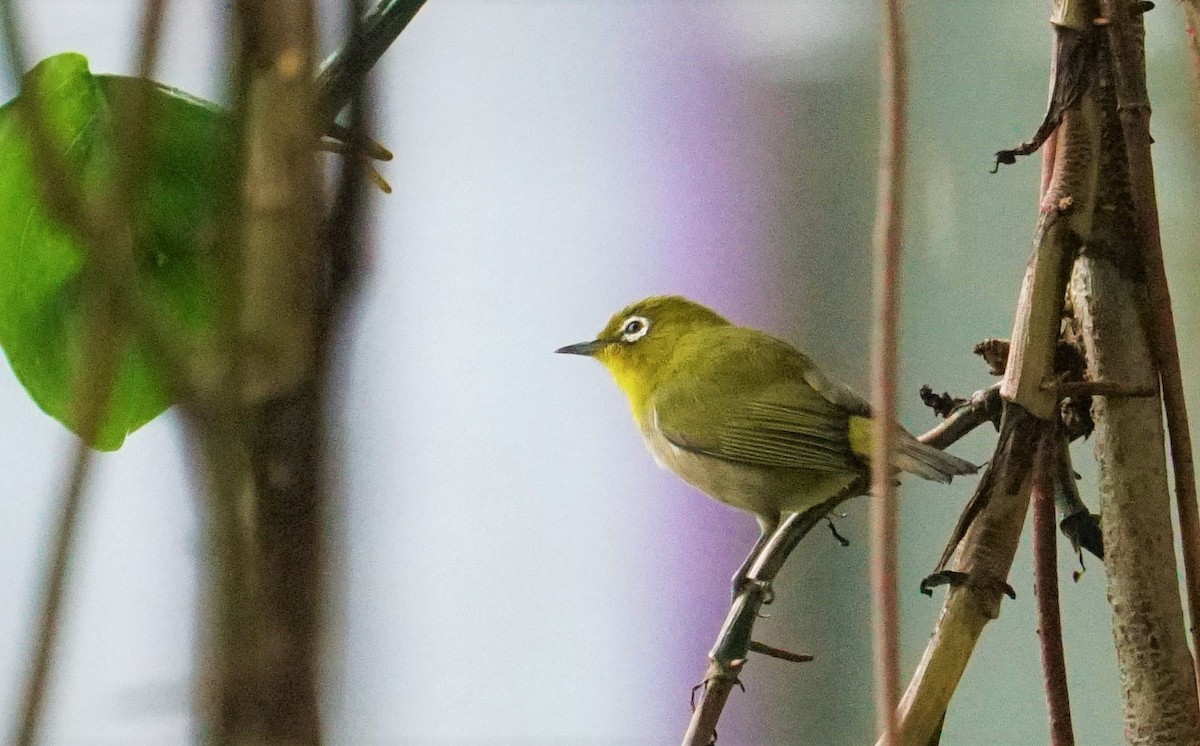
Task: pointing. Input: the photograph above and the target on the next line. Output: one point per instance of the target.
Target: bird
(745, 417)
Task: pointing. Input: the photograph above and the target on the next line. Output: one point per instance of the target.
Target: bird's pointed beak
(584, 348)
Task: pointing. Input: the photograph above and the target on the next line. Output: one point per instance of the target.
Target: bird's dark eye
(635, 328)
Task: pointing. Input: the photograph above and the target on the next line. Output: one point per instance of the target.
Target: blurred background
(511, 567)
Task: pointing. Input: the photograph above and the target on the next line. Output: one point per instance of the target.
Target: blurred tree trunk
(264, 462)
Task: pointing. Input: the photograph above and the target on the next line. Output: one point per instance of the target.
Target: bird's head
(637, 343)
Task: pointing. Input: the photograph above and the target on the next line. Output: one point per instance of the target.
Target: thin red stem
(1045, 583)
(889, 221)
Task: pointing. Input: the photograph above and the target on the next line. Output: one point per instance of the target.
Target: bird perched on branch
(744, 417)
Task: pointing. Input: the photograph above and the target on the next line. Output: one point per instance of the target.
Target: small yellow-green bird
(742, 416)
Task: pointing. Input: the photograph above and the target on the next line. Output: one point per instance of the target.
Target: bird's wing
(837, 392)
(757, 404)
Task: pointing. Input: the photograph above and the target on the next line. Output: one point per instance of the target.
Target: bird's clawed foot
(703, 686)
(743, 584)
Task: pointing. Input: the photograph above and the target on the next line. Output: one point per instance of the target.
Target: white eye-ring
(635, 328)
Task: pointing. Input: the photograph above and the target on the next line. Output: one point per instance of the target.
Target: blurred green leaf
(41, 312)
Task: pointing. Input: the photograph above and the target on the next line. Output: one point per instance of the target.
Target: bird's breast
(731, 483)
(762, 490)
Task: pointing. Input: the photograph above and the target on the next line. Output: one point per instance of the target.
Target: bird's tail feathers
(928, 462)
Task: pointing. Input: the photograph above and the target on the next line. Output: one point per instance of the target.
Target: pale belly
(762, 490)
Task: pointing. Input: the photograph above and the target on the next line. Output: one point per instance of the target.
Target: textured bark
(1109, 296)
(1143, 587)
(1126, 38)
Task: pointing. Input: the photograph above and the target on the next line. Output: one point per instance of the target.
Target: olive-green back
(741, 395)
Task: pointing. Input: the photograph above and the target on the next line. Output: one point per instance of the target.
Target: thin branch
(104, 346)
(134, 117)
(33, 696)
(1045, 584)
(343, 71)
(889, 226)
(1126, 36)
(734, 642)
(93, 387)
(983, 406)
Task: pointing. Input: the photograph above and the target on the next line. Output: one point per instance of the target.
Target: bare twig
(1066, 209)
(1126, 36)
(1045, 583)
(133, 116)
(984, 406)
(1065, 218)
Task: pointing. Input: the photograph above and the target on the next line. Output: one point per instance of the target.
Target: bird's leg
(742, 578)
